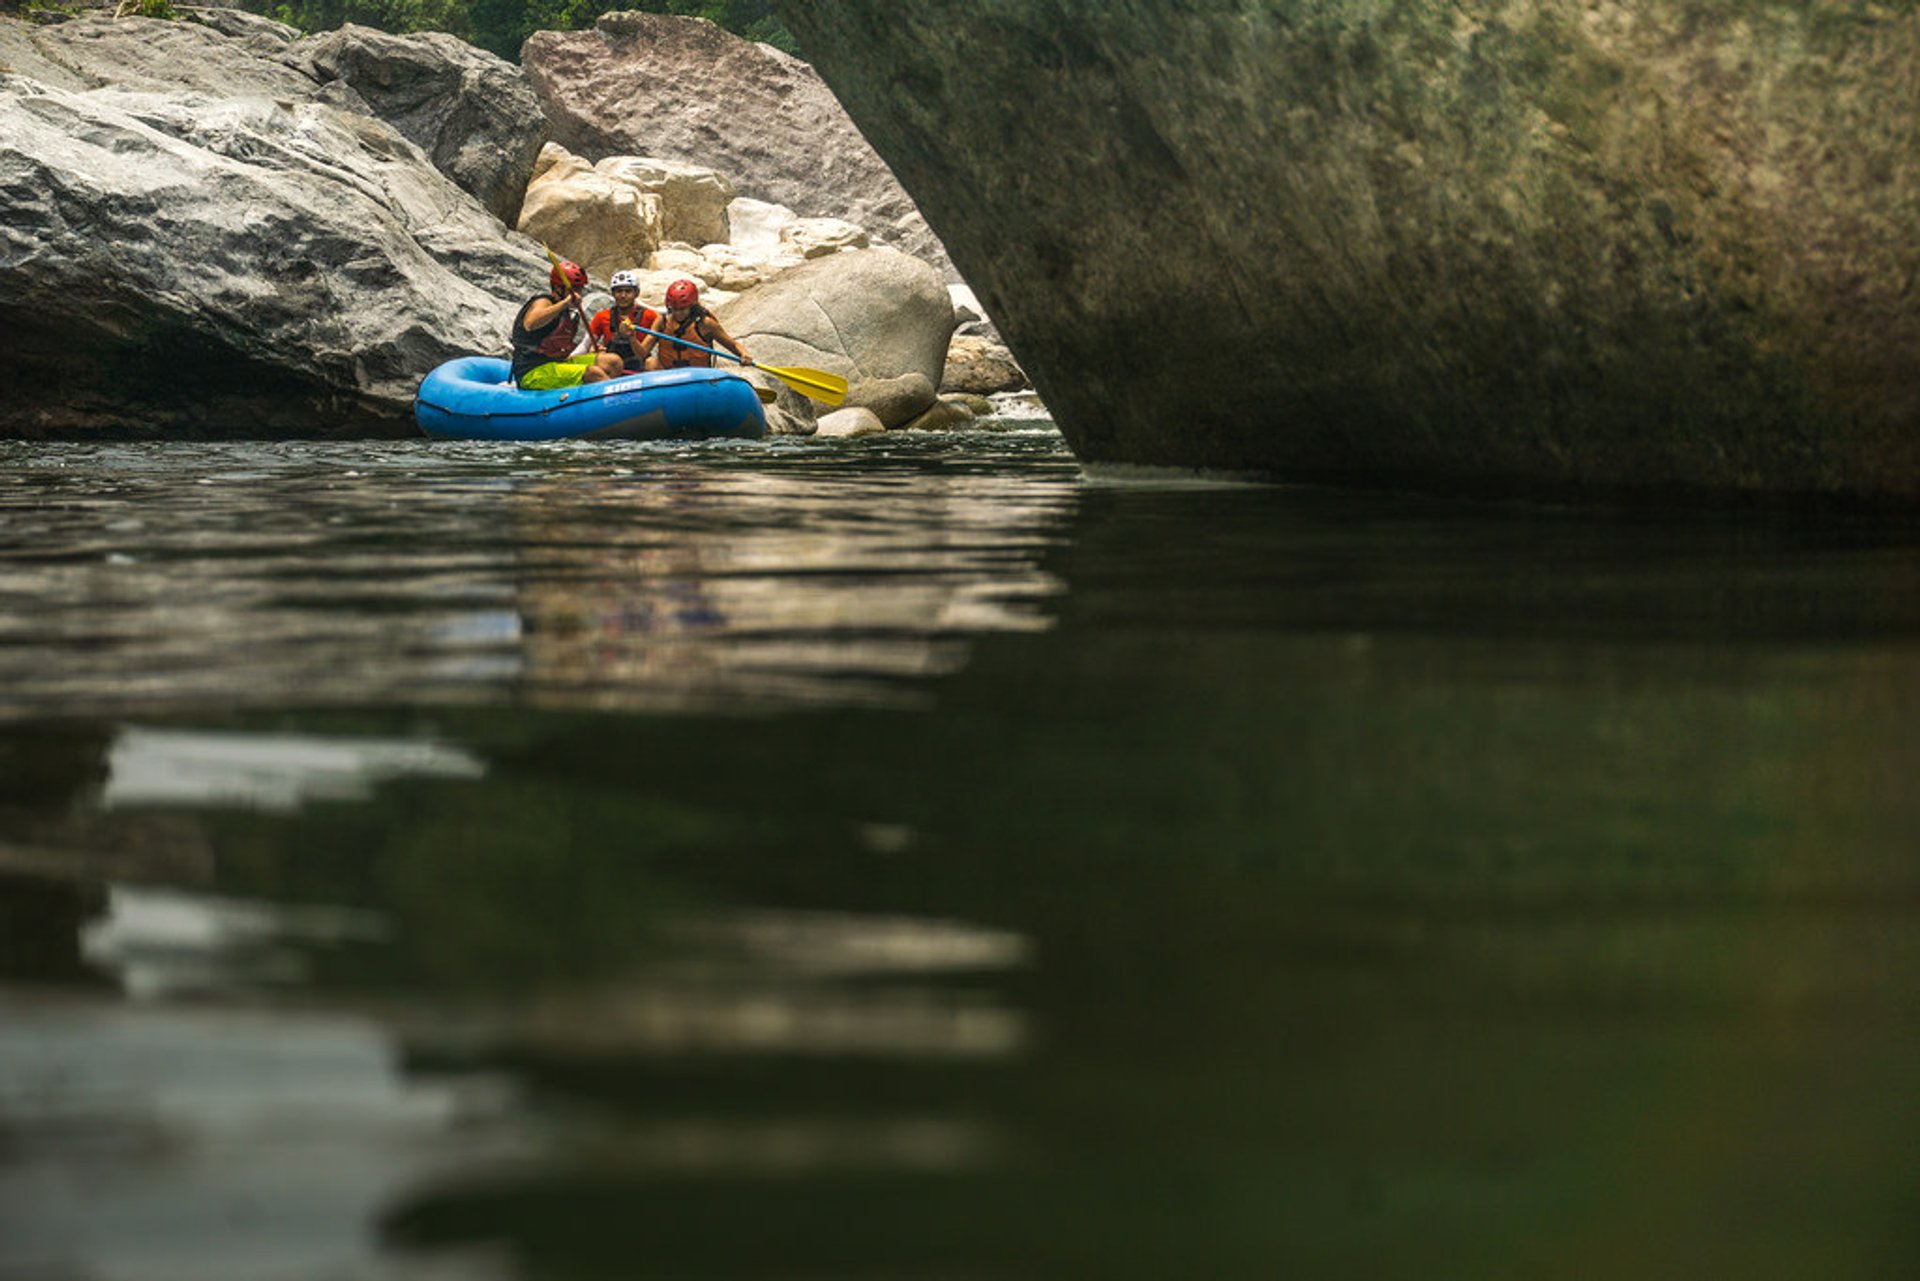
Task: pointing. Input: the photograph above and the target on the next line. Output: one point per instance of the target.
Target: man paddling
(613, 328)
(686, 319)
(545, 332)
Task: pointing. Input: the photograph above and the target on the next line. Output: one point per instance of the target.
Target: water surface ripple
(912, 858)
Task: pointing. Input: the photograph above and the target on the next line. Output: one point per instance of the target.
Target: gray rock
(184, 263)
(894, 401)
(256, 34)
(942, 415)
(682, 89)
(868, 315)
(98, 51)
(1504, 244)
(471, 112)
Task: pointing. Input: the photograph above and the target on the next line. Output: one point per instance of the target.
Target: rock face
(467, 109)
(1501, 244)
(683, 89)
(253, 261)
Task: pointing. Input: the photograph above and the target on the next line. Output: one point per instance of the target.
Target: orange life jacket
(672, 354)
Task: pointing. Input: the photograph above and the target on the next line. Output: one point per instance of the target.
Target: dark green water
(909, 858)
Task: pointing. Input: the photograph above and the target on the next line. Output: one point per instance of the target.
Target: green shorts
(557, 373)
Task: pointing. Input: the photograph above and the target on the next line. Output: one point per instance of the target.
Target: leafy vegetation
(501, 25)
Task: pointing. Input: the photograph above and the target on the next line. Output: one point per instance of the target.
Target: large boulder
(641, 84)
(602, 223)
(873, 316)
(1624, 245)
(693, 199)
(469, 110)
(175, 261)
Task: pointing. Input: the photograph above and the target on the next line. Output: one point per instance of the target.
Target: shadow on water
(928, 863)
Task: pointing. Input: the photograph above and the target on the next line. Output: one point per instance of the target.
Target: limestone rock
(693, 200)
(818, 237)
(754, 226)
(1500, 244)
(472, 112)
(258, 35)
(646, 84)
(602, 223)
(868, 314)
(856, 421)
(981, 366)
(720, 268)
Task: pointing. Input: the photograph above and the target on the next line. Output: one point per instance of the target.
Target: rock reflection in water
(686, 596)
(701, 579)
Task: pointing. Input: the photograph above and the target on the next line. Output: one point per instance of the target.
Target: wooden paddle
(814, 384)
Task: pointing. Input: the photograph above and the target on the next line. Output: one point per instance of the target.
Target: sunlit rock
(869, 315)
(597, 220)
(980, 365)
(1500, 244)
(853, 421)
(818, 237)
(685, 90)
(693, 199)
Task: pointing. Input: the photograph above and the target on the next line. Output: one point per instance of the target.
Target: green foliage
(501, 25)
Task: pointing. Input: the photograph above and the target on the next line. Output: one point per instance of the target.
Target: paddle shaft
(814, 384)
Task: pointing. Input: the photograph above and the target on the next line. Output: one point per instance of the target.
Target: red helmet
(682, 293)
(567, 275)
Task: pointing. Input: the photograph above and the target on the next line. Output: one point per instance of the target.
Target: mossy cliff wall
(1511, 244)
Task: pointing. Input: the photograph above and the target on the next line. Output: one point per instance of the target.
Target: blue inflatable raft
(472, 398)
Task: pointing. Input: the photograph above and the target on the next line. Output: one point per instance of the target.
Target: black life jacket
(620, 342)
(554, 340)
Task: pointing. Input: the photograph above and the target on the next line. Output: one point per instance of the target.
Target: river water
(911, 857)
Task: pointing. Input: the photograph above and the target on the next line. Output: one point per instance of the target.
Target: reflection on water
(263, 771)
(905, 858)
(635, 578)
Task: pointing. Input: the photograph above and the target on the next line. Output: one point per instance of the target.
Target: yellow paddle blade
(814, 384)
(767, 395)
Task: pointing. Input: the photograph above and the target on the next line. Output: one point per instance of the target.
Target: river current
(915, 857)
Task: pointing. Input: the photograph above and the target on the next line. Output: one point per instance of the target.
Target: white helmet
(624, 280)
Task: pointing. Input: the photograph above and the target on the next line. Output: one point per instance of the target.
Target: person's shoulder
(602, 318)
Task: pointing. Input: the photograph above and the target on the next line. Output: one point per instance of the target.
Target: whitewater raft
(473, 398)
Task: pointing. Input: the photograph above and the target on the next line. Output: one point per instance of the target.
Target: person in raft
(547, 329)
(614, 328)
(687, 319)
